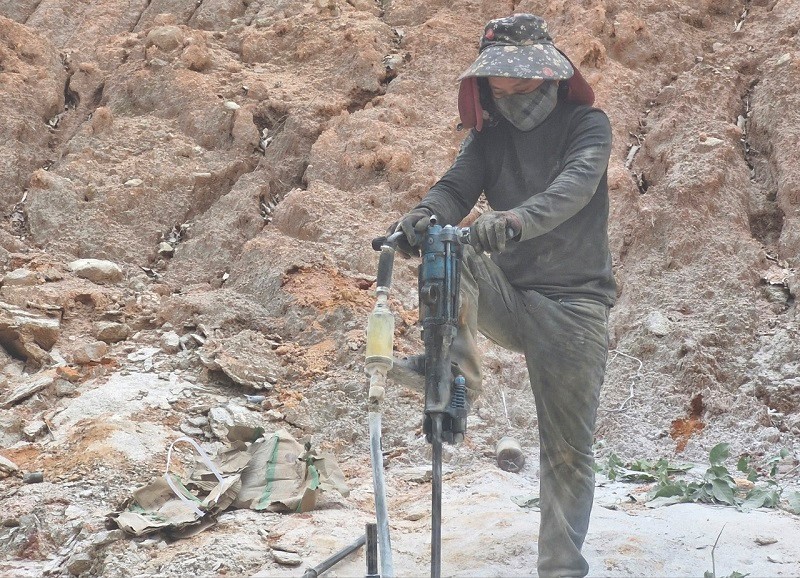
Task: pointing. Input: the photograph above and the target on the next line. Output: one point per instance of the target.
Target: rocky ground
(189, 192)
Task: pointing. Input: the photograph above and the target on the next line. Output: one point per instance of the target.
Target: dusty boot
(409, 371)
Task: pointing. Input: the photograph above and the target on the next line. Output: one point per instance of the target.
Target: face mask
(528, 110)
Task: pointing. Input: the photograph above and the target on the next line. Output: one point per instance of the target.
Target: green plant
(717, 485)
(640, 470)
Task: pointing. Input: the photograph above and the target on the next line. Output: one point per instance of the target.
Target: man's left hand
(490, 231)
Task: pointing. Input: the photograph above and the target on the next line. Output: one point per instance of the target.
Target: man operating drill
(537, 275)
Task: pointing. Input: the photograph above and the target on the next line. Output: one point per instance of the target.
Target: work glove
(414, 224)
(490, 232)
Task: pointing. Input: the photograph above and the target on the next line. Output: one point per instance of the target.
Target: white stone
(711, 142)
(73, 512)
(33, 430)
(96, 270)
(7, 466)
(171, 342)
(658, 324)
(287, 558)
(20, 278)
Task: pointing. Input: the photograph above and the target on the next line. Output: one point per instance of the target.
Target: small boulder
(64, 388)
(287, 558)
(27, 334)
(165, 37)
(96, 270)
(658, 324)
(171, 342)
(33, 430)
(79, 563)
(111, 331)
(7, 467)
(21, 278)
(165, 249)
(94, 351)
(197, 57)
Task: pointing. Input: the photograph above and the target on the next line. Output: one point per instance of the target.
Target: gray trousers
(565, 344)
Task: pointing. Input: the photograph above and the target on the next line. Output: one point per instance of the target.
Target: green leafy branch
(717, 485)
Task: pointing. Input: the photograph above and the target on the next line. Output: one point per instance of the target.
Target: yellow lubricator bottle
(380, 327)
(380, 338)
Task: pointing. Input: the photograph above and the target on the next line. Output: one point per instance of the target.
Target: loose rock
(29, 387)
(111, 332)
(96, 270)
(21, 278)
(26, 333)
(93, 351)
(165, 37)
(658, 324)
(34, 430)
(33, 478)
(7, 467)
(171, 342)
(287, 558)
(79, 563)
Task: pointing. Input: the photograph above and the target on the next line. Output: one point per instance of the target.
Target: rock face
(190, 190)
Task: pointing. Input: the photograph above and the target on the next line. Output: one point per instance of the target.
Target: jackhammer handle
(464, 232)
(391, 240)
(385, 266)
(386, 260)
(463, 237)
(378, 242)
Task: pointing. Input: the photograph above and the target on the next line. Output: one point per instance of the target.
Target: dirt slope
(230, 160)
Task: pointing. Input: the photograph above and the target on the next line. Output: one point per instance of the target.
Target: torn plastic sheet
(274, 473)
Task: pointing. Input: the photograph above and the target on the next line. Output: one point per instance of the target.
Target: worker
(536, 277)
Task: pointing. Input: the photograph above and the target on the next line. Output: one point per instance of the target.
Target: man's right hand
(413, 224)
(492, 229)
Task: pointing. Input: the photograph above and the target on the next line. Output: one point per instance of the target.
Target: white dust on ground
(485, 533)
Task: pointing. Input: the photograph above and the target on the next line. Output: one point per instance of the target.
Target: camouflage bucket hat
(519, 46)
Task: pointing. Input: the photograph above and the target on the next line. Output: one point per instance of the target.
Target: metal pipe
(381, 510)
(436, 495)
(339, 556)
(377, 364)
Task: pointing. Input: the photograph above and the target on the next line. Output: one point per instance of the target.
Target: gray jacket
(554, 178)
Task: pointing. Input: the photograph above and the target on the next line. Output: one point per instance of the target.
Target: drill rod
(436, 495)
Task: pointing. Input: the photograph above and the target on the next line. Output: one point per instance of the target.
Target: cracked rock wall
(228, 148)
(190, 188)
